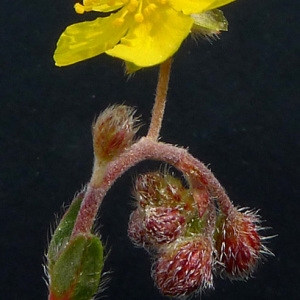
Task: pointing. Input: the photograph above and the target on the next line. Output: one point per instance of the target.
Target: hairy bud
(163, 224)
(157, 225)
(184, 267)
(157, 189)
(239, 244)
(113, 132)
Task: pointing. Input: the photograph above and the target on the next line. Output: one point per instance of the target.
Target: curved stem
(143, 150)
(160, 99)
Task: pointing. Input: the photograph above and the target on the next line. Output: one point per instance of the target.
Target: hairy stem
(146, 149)
(160, 99)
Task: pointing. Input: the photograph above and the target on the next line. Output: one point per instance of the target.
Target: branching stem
(143, 150)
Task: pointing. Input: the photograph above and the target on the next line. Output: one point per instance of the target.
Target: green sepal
(209, 22)
(63, 231)
(77, 272)
(131, 67)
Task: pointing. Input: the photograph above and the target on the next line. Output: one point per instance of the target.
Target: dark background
(235, 103)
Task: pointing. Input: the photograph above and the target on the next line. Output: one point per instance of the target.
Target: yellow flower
(141, 32)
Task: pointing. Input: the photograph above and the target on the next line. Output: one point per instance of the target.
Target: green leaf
(77, 272)
(63, 231)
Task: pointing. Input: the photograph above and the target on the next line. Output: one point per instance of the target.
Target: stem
(143, 150)
(160, 99)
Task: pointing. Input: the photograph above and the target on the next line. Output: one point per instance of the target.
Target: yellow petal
(155, 39)
(197, 6)
(87, 39)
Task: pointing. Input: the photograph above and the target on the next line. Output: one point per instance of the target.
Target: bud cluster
(163, 209)
(167, 223)
(190, 237)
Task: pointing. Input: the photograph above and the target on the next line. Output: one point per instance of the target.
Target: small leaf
(63, 231)
(77, 272)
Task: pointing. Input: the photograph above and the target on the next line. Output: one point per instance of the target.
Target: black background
(235, 103)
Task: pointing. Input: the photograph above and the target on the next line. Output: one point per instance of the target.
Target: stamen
(120, 21)
(139, 17)
(79, 8)
(149, 8)
(133, 4)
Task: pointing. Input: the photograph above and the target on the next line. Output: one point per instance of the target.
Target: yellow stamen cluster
(139, 8)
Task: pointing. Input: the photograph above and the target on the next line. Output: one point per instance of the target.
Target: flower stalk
(160, 99)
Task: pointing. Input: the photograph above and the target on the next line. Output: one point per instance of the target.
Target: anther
(118, 21)
(139, 17)
(79, 8)
(133, 4)
(149, 8)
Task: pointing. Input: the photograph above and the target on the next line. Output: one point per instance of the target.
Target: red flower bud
(239, 244)
(185, 267)
(113, 131)
(161, 189)
(157, 225)
(163, 224)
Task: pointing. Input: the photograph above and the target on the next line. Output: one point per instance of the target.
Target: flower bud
(184, 267)
(238, 244)
(113, 132)
(157, 189)
(156, 226)
(163, 224)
